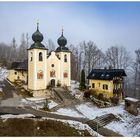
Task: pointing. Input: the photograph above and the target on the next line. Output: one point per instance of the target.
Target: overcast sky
(105, 23)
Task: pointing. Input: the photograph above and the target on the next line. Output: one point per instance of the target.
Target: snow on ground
(128, 125)
(37, 102)
(52, 104)
(125, 126)
(75, 89)
(91, 111)
(68, 112)
(17, 116)
(3, 73)
(77, 125)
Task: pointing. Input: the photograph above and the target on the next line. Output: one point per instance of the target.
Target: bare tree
(137, 74)
(22, 52)
(118, 58)
(74, 63)
(91, 56)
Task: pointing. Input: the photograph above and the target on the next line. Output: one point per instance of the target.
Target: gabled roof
(105, 74)
(20, 65)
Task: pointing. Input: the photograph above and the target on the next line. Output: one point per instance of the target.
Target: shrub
(114, 100)
(66, 87)
(90, 92)
(58, 84)
(82, 81)
(46, 106)
(100, 96)
(49, 86)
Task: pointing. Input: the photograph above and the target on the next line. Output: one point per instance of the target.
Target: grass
(33, 127)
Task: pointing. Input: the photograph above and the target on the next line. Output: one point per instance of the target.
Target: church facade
(44, 68)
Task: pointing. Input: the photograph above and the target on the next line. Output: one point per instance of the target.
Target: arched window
(31, 57)
(65, 58)
(40, 56)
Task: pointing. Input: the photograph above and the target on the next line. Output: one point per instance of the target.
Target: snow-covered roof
(132, 99)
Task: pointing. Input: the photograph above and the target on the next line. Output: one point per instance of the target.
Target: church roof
(62, 42)
(37, 37)
(105, 74)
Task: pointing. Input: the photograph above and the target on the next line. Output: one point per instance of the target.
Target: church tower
(37, 63)
(64, 55)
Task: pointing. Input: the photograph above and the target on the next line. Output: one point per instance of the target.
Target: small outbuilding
(132, 105)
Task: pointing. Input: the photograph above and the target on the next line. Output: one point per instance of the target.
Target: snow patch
(3, 73)
(68, 112)
(52, 104)
(17, 116)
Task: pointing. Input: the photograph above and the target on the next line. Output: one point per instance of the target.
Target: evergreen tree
(82, 80)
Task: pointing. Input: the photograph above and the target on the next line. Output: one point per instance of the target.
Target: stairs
(63, 95)
(101, 121)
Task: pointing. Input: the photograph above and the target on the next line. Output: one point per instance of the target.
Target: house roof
(131, 99)
(105, 74)
(20, 65)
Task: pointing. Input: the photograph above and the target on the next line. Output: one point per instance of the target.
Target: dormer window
(65, 58)
(40, 56)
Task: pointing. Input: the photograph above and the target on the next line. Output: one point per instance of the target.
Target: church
(43, 68)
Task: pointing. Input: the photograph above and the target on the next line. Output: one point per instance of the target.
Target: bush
(114, 100)
(66, 87)
(90, 92)
(49, 86)
(46, 106)
(58, 84)
(100, 96)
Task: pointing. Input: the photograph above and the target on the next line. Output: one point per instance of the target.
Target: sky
(104, 23)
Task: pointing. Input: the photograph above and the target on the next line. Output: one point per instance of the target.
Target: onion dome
(37, 38)
(62, 42)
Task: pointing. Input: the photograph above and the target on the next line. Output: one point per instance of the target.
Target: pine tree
(82, 80)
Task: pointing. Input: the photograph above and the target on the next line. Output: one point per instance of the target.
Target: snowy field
(128, 125)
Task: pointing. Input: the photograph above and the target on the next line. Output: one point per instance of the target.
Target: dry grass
(34, 127)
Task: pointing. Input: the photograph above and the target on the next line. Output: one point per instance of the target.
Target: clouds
(105, 23)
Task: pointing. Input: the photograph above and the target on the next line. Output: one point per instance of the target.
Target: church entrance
(53, 82)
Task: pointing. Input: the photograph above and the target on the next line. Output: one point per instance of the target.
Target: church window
(15, 73)
(31, 57)
(52, 73)
(40, 56)
(52, 65)
(65, 58)
(40, 75)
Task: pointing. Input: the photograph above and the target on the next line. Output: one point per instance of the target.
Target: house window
(40, 75)
(105, 87)
(65, 58)
(40, 56)
(65, 74)
(15, 73)
(99, 84)
(93, 85)
(52, 73)
(31, 57)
